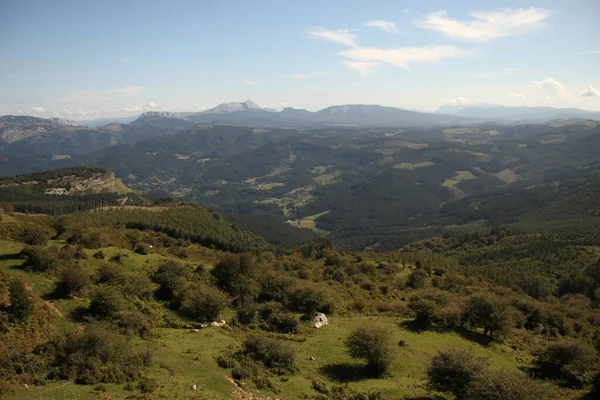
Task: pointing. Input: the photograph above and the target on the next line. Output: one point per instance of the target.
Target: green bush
(453, 371)
(238, 275)
(107, 302)
(572, 362)
(202, 302)
(375, 344)
(147, 385)
(98, 355)
(73, 281)
(275, 355)
(32, 234)
(417, 279)
(310, 300)
(170, 276)
(505, 385)
(21, 305)
(142, 249)
(99, 255)
(39, 259)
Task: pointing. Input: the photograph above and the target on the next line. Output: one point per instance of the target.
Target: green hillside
(115, 303)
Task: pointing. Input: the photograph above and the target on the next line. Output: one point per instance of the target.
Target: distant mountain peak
(233, 107)
(157, 114)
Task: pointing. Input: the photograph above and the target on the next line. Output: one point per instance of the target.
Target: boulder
(320, 320)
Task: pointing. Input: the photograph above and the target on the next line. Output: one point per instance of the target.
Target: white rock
(320, 320)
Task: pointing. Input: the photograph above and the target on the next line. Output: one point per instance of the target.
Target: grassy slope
(176, 370)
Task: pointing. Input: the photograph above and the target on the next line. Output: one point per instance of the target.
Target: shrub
(31, 234)
(98, 355)
(39, 259)
(572, 362)
(238, 275)
(107, 302)
(416, 279)
(147, 385)
(73, 281)
(275, 355)
(202, 302)
(284, 323)
(170, 276)
(142, 249)
(425, 311)
(21, 305)
(309, 300)
(505, 385)
(453, 371)
(374, 344)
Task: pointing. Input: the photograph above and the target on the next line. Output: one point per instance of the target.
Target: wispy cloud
(251, 83)
(128, 90)
(552, 89)
(306, 75)
(487, 25)
(590, 92)
(38, 110)
(363, 67)
(387, 26)
(403, 57)
(342, 36)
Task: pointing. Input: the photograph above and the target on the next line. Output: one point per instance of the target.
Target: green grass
(449, 183)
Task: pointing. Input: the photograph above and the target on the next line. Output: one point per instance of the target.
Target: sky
(108, 59)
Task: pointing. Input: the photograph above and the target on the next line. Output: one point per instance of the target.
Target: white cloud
(387, 26)
(152, 105)
(38, 110)
(487, 25)
(306, 75)
(342, 36)
(517, 96)
(510, 71)
(66, 111)
(127, 90)
(591, 92)
(404, 56)
(363, 67)
(552, 89)
(251, 83)
(199, 107)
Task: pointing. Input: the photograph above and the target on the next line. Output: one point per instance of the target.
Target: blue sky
(91, 59)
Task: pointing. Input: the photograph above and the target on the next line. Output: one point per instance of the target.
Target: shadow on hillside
(476, 337)
(346, 372)
(13, 256)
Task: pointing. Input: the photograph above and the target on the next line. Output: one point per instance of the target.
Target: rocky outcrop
(74, 185)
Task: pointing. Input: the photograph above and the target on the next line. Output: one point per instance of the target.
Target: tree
(505, 385)
(573, 362)
(171, 276)
(32, 234)
(425, 312)
(202, 302)
(487, 312)
(60, 226)
(238, 274)
(453, 371)
(21, 305)
(375, 344)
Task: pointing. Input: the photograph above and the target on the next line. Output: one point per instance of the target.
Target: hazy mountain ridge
(492, 112)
